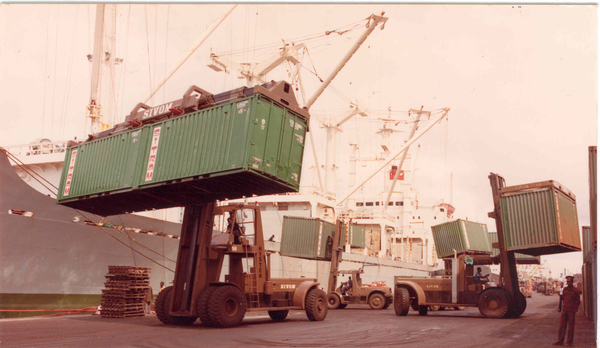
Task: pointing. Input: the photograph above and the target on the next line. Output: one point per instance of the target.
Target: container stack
(125, 291)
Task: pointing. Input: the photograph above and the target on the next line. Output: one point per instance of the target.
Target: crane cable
(102, 219)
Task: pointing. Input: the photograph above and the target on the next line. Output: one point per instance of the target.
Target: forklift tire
(377, 301)
(520, 305)
(202, 305)
(401, 301)
(162, 309)
(388, 302)
(333, 301)
(316, 304)
(227, 306)
(493, 303)
(422, 310)
(279, 315)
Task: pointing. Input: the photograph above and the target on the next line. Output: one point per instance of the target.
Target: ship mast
(103, 60)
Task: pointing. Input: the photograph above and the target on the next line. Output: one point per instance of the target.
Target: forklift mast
(508, 266)
(336, 255)
(200, 258)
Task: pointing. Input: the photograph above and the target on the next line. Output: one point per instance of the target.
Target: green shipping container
(539, 219)
(461, 236)
(356, 236)
(249, 146)
(306, 238)
(521, 259)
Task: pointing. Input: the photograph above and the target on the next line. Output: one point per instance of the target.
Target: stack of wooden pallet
(125, 291)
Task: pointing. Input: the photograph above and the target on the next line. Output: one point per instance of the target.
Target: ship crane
(256, 73)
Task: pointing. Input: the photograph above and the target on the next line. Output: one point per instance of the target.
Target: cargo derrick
(532, 219)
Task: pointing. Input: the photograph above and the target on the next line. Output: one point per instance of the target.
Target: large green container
(249, 146)
(306, 238)
(356, 236)
(461, 236)
(539, 219)
(521, 259)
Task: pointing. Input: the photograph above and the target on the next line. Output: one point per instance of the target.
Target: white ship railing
(36, 149)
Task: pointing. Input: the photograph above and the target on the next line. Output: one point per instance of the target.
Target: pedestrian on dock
(148, 299)
(569, 306)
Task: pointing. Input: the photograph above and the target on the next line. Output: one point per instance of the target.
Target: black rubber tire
(161, 307)
(342, 306)
(422, 310)
(333, 301)
(493, 303)
(377, 301)
(401, 301)
(315, 304)
(279, 315)
(520, 305)
(227, 306)
(388, 302)
(202, 305)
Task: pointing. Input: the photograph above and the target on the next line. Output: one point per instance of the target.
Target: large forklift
(197, 291)
(459, 288)
(378, 297)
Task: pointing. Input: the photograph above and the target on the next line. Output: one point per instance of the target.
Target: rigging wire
(45, 71)
(148, 52)
(65, 105)
(125, 59)
(55, 72)
(166, 53)
(37, 177)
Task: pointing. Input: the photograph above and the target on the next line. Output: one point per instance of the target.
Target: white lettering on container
(153, 152)
(70, 173)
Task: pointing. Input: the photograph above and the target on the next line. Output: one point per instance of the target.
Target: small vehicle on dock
(378, 297)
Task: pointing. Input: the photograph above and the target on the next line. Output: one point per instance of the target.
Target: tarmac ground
(355, 326)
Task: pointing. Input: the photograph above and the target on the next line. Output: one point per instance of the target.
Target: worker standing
(148, 300)
(570, 304)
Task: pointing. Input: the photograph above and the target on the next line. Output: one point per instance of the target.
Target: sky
(520, 82)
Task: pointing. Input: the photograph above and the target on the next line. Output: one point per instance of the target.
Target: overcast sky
(521, 81)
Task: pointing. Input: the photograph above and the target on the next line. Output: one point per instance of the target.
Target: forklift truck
(378, 297)
(459, 289)
(197, 291)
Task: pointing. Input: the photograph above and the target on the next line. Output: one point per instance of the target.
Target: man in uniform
(570, 304)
